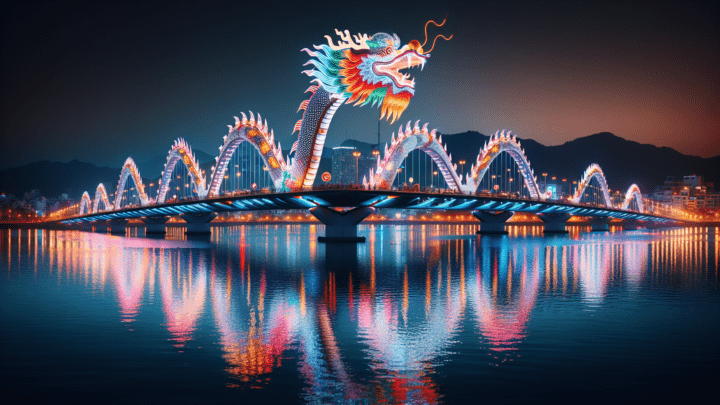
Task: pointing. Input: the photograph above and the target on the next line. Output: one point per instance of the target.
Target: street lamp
(462, 167)
(356, 153)
(435, 174)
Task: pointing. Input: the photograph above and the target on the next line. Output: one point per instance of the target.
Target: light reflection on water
(418, 314)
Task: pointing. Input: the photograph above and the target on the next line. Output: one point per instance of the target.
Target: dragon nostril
(415, 45)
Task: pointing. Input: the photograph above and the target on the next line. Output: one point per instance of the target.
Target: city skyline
(145, 101)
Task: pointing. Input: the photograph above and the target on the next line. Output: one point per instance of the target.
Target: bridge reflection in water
(384, 320)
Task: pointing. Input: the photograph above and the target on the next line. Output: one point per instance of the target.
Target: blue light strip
(445, 204)
(384, 202)
(464, 205)
(424, 204)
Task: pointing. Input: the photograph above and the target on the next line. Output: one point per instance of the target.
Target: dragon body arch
(101, 196)
(499, 143)
(409, 139)
(130, 170)
(593, 172)
(181, 152)
(261, 138)
(633, 193)
(85, 203)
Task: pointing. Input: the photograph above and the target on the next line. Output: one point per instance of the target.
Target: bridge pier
(341, 226)
(554, 223)
(492, 223)
(630, 224)
(600, 224)
(101, 226)
(198, 224)
(155, 225)
(118, 225)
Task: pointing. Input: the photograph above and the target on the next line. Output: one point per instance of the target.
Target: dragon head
(369, 69)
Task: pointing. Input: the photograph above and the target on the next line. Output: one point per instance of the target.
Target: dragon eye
(388, 50)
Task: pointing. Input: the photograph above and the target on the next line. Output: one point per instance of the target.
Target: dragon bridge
(358, 69)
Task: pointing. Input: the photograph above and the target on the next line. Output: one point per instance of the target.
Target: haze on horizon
(100, 82)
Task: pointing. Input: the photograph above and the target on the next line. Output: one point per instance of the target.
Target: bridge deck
(364, 198)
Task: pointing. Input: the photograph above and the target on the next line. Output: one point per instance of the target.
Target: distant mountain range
(623, 162)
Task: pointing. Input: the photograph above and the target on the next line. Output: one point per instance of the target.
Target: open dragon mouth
(407, 60)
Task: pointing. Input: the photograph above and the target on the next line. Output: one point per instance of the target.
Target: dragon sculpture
(359, 70)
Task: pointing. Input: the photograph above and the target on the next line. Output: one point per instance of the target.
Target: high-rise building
(345, 168)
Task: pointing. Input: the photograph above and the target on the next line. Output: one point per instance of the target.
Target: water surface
(418, 314)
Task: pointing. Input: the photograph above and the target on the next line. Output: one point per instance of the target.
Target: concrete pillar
(554, 223)
(155, 225)
(630, 224)
(600, 224)
(101, 226)
(492, 223)
(198, 224)
(118, 225)
(341, 226)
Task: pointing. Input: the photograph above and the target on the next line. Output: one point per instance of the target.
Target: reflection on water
(403, 318)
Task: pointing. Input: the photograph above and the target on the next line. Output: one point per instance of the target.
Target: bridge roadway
(492, 211)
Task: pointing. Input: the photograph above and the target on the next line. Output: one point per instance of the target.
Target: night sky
(102, 81)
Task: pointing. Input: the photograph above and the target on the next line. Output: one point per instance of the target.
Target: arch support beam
(554, 223)
(155, 225)
(492, 222)
(341, 226)
(600, 224)
(198, 224)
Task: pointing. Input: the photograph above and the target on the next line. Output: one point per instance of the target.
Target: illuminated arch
(412, 138)
(130, 169)
(255, 132)
(633, 192)
(182, 152)
(499, 143)
(593, 171)
(101, 195)
(85, 203)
